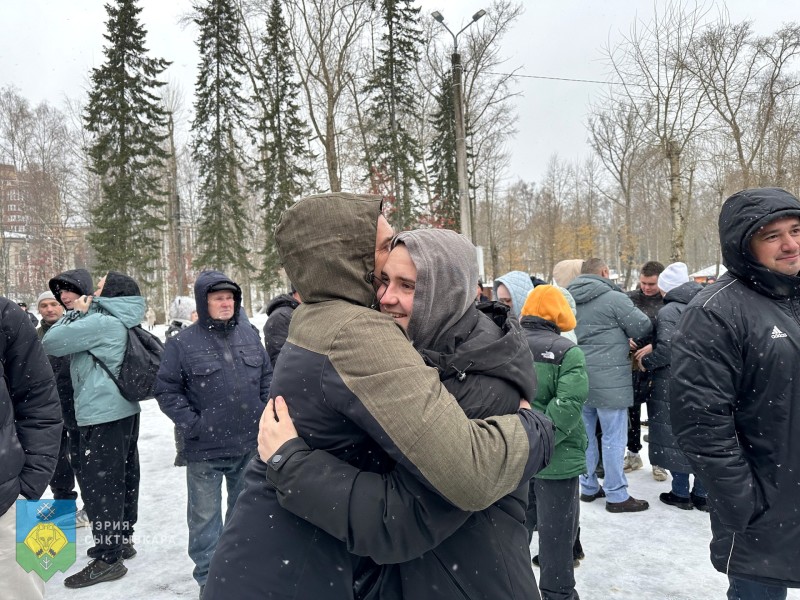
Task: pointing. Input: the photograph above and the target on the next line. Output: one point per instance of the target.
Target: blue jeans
(614, 423)
(680, 485)
(747, 589)
(204, 507)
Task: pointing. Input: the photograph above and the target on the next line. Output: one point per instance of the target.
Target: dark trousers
(110, 484)
(747, 589)
(642, 388)
(68, 466)
(635, 428)
(556, 517)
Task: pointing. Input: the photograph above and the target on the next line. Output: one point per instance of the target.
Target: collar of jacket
(534, 322)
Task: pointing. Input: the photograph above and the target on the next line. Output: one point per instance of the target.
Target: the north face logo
(777, 333)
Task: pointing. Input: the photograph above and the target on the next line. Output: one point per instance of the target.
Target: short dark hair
(652, 267)
(593, 266)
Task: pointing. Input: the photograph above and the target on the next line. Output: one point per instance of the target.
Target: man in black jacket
(213, 383)
(735, 394)
(68, 467)
(30, 435)
(647, 299)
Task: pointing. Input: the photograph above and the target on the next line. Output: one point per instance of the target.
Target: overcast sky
(47, 48)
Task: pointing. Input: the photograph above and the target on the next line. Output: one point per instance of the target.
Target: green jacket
(563, 387)
(103, 332)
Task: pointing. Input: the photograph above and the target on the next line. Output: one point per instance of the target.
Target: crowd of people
(398, 434)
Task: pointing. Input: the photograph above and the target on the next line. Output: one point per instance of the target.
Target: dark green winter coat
(561, 392)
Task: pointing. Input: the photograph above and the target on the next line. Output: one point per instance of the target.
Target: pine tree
(125, 116)
(394, 152)
(443, 170)
(219, 116)
(281, 175)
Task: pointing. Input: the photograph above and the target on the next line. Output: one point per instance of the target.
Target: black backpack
(137, 375)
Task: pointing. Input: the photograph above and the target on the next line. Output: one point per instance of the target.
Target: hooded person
(357, 388)
(75, 282)
(553, 507)
(678, 289)
(734, 393)
(213, 383)
(279, 314)
(566, 270)
(96, 329)
(511, 289)
(392, 518)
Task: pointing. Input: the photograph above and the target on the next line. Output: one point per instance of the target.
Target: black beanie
(118, 284)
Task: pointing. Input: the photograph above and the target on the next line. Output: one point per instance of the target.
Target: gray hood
(447, 269)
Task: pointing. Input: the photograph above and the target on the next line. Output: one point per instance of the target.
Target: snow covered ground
(659, 554)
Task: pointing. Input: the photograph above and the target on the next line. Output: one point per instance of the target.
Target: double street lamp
(458, 108)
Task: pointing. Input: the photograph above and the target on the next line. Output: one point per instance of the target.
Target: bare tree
(744, 78)
(650, 66)
(326, 35)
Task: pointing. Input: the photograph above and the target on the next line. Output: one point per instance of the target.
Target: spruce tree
(443, 170)
(394, 153)
(282, 174)
(127, 121)
(219, 116)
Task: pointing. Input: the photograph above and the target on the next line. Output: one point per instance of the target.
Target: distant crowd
(399, 434)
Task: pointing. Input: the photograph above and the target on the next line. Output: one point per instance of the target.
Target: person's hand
(642, 352)
(275, 429)
(82, 304)
(634, 346)
(524, 404)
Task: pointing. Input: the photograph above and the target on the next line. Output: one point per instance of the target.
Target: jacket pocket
(253, 367)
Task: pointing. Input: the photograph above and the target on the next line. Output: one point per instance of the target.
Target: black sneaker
(700, 503)
(592, 497)
(629, 505)
(97, 571)
(128, 551)
(675, 500)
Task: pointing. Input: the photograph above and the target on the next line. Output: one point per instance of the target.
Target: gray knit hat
(48, 295)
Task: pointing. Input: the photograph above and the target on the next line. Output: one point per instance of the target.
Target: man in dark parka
(735, 394)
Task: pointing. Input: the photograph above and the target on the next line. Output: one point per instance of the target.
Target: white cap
(674, 275)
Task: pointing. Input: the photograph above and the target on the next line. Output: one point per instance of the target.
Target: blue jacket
(214, 380)
(103, 331)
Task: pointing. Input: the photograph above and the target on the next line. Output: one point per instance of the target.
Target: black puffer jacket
(276, 329)
(664, 450)
(30, 414)
(736, 397)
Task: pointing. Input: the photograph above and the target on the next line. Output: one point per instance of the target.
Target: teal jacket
(562, 388)
(606, 319)
(103, 332)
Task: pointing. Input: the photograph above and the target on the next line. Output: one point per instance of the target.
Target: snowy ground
(659, 554)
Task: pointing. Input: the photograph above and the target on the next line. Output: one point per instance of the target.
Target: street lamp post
(458, 108)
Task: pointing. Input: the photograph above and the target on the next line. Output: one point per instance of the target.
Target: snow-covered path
(659, 554)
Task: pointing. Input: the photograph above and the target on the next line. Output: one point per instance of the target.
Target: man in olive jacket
(607, 319)
(357, 388)
(735, 394)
